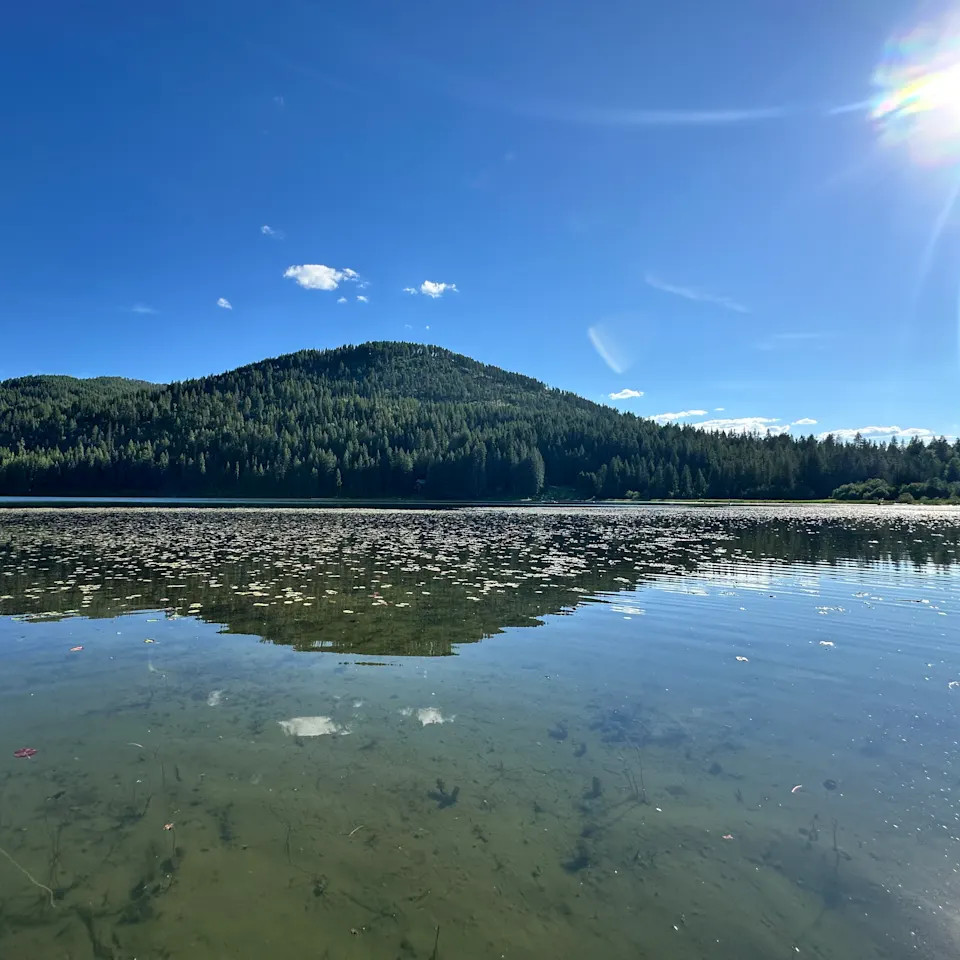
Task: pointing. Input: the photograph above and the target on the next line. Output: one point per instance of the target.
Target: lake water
(620, 733)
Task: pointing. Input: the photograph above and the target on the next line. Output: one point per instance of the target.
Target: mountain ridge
(388, 418)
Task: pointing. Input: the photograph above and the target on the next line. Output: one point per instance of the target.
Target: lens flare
(918, 98)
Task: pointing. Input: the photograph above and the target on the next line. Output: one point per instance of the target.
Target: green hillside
(402, 419)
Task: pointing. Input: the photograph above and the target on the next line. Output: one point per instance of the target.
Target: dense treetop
(403, 419)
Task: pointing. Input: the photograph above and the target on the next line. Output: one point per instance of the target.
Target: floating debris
(214, 697)
(25, 753)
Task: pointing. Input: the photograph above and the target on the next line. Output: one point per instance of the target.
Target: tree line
(406, 420)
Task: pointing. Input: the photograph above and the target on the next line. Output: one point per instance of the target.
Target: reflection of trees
(395, 583)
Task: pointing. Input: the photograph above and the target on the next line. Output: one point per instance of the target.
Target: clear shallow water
(598, 774)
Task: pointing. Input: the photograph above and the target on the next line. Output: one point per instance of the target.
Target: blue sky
(621, 196)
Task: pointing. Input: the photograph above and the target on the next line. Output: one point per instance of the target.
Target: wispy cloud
(318, 276)
(691, 293)
(879, 433)
(779, 341)
(631, 117)
(609, 348)
(272, 232)
(412, 290)
(432, 289)
(362, 298)
(804, 422)
(341, 299)
(680, 415)
(224, 303)
(143, 308)
(626, 394)
(767, 425)
(719, 409)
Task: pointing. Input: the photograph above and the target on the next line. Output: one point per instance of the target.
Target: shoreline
(412, 504)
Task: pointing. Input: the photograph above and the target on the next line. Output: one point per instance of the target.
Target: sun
(918, 96)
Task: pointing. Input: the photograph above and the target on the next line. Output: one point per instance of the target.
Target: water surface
(725, 733)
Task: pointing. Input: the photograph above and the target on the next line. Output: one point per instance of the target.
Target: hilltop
(403, 419)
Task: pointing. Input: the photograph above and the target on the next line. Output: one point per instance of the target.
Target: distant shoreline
(404, 504)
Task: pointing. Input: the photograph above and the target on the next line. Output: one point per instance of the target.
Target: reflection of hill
(411, 583)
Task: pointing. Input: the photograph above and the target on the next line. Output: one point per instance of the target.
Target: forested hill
(401, 419)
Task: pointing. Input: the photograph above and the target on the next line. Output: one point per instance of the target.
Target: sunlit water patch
(686, 734)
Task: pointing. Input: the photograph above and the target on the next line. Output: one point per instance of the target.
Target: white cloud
(362, 298)
(341, 299)
(804, 422)
(719, 409)
(698, 296)
(681, 415)
(879, 433)
(271, 232)
(626, 394)
(317, 276)
(434, 290)
(142, 308)
(412, 290)
(768, 425)
(225, 303)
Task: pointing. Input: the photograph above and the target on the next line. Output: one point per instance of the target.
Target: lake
(520, 733)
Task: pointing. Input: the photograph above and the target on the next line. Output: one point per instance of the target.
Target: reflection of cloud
(428, 715)
(759, 575)
(609, 349)
(311, 727)
(698, 296)
(626, 394)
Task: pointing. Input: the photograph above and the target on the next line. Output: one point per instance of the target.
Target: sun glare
(918, 99)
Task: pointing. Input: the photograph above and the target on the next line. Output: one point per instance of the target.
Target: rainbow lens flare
(918, 103)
